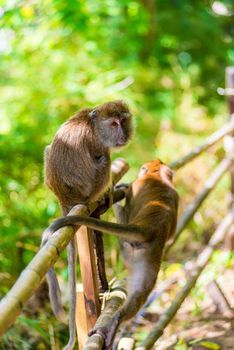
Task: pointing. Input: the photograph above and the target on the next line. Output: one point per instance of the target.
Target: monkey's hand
(121, 191)
(107, 332)
(104, 204)
(123, 187)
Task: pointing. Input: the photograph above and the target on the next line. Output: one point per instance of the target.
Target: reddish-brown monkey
(148, 219)
(77, 170)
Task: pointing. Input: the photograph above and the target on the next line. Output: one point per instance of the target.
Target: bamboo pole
(27, 283)
(95, 341)
(210, 141)
(199, 199)
(81, 318)
(201, 263)
(88, 267)
(84, 237)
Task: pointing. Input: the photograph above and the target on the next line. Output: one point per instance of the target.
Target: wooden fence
(88, 303)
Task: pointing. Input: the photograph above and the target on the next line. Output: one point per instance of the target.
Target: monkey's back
(154, 204)
(77, 167)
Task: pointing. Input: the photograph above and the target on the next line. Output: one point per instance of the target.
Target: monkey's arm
(129, 231)
(122, 211)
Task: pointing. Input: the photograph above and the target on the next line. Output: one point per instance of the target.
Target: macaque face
(150, 168)
(113, 124)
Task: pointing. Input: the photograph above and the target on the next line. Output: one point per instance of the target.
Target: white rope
(110, 294)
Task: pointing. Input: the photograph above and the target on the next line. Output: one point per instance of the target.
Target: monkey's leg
(141, 284)
(109, 331)
(72, 258)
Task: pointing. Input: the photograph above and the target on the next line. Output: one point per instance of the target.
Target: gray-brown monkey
(148, 219)
(77, 170)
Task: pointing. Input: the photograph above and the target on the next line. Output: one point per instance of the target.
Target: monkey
(77, 170)
(147, 220)
(77, 165)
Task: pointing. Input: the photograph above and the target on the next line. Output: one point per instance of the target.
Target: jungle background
(166, 59)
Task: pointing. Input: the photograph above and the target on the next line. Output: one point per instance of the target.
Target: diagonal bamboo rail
(228, 128)
(29, 280)
(199, 199)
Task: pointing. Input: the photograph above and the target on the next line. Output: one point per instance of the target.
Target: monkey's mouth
(120, 143)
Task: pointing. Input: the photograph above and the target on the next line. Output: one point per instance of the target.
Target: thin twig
(219, 299)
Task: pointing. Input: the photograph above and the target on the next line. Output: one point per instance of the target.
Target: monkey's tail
(54, 289)
(128, 231)
(55, 296)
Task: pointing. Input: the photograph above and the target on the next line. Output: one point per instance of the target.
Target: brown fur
(147, 220)
(77, 170)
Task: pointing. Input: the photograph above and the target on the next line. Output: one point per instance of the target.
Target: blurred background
(165, 58)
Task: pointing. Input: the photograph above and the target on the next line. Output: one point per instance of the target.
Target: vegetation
(166, 58)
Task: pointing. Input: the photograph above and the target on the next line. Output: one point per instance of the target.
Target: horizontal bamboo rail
(210, 141)
(200, 264)
(199, 199)
(29, 280)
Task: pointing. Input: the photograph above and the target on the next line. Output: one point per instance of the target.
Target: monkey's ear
(165, 171)
(143, 171)
(93, 114)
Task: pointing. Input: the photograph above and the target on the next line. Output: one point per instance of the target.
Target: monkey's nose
(121, 141)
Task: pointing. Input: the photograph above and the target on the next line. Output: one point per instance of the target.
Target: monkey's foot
(104, 204)
(107, 333)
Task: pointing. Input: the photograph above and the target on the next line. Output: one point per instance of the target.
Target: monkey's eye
(114, 124)
(123, 120)
(98, 157)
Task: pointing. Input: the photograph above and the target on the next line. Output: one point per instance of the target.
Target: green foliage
(166, 58)
(181, 345)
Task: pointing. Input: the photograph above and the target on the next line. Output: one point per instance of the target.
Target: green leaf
(210, 345)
